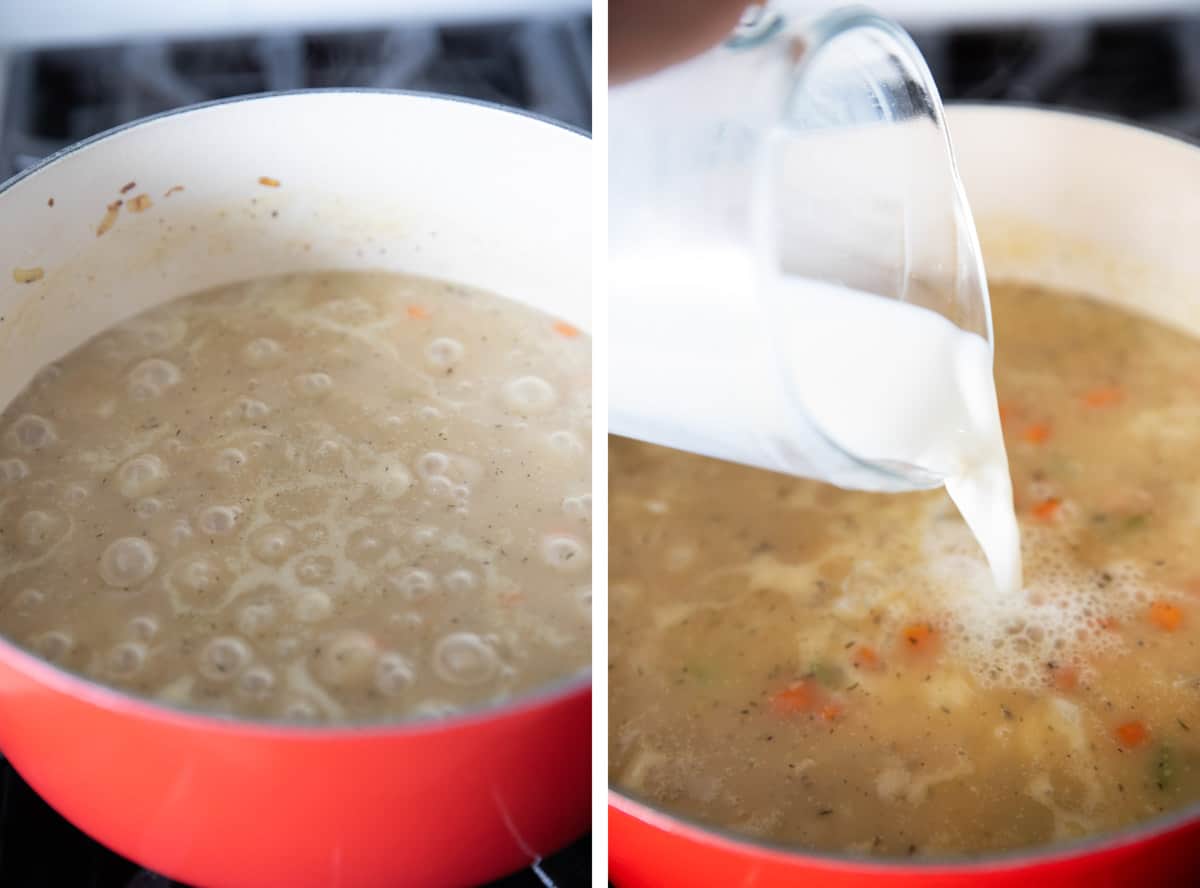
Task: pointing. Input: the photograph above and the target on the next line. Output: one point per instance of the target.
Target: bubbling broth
(835, 670)
(329, 497)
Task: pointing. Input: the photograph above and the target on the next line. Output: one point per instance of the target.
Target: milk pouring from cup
(795, 279)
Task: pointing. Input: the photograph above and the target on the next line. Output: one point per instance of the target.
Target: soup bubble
(223, 657)
(463, 658)
(529, 396)
(31, 432)
(127, 562)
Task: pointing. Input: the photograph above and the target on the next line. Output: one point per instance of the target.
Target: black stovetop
(39, 849)
(55, 97)
(1144, 70)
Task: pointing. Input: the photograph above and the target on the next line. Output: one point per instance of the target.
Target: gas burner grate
(58, 96)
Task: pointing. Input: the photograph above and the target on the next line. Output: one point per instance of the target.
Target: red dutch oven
(1064, 201)
(252, 187)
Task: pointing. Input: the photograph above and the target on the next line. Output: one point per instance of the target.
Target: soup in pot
(835, 670)
(318, 497)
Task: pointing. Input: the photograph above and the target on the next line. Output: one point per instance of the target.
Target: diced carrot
(1064, 678)
(417, 312)
(1037, 433)
(865, 658)
(1104, 396)
(1047, 509)
(803, 696)
(268, 181)
(831, 712)
(562, 328)
(1165, 615)
(918, 636)
(1131, 734)
(512, 597)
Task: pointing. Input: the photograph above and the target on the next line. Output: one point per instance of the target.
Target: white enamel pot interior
(1084, 204)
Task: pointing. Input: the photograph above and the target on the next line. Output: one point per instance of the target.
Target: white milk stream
(701, 364)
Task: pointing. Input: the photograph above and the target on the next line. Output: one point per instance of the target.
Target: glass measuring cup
(799, 151)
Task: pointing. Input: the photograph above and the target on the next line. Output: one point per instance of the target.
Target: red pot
(365, 180)
(1065, 201)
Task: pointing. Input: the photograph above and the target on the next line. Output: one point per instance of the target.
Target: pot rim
(121, 703)
(649, 814)
(74, 147)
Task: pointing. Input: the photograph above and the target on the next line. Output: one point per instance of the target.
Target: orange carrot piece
(1104, 396)
(918, 636)
(1065, 678)
(1132, 734)
(1037, 433)
(1165, 615)
(418, 312)
(268, 182)
(865, 658)
(1047, 510)
(803, 696)
(831, 712)
(562, 328)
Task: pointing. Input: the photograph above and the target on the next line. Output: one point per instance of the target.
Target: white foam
(1009, 640)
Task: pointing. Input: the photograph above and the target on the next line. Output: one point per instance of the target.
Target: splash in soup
(833, 669)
